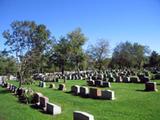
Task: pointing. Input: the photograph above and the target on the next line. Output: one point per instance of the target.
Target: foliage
(154, 59)
(129, 55)
(98, 53)
(7, 65)
(67, 51)
(27, 41)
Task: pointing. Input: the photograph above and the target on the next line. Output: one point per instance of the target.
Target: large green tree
(76, 40)
(98, 53)
(27, 41)
(129, 55)
(61, 53)
(154, 59)
(7, 65)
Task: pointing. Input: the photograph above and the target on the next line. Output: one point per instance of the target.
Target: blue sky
(115, 20)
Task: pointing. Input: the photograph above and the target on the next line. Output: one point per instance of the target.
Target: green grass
(132, 103)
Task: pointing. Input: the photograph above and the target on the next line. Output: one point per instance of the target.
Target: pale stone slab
(53, 109)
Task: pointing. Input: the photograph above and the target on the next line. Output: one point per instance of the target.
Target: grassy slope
(131, 103)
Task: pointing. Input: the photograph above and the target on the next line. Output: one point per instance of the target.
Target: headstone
(84, 91)
(79, 115)
(108, 94)
(53, 109)
(151, 86)
(14, 88)
(106, 84)
(43, 84)
(52, 85)
(62, 87)
(126, 79)
(119, 79)
(43, 102)
(40, 83)
(134, 79)
(94, 93)
(21, 91)
(98, 83)
(91, 82)
(36, 98)
(10, 87)
(75, 89)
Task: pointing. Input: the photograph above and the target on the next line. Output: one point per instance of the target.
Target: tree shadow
(141, 90)
(34, 106)
(68, 92)
(158, 83)
(4, 92)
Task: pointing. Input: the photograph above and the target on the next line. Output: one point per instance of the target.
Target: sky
(114, 20)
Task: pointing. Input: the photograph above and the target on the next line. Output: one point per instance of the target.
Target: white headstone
(53, 109)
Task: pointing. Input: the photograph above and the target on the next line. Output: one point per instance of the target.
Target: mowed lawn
(132, 103)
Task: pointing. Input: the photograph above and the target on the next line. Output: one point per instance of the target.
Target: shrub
(26, 97)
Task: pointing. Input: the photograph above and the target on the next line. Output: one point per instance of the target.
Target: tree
(99, 53)
(76, 39)
(61, 53)
(27, 41)
(7, 65)
(129, 55)
(154, 59)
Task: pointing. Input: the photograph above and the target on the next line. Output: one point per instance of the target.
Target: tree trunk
(62, 70)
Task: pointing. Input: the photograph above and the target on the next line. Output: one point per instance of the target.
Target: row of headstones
(130, 79)
(9, 87)
(55, 77)
(92, 92)
(43, 103)
(38, 99)
(149, 86)
(52, 85)
(99, 83)
(115, 76)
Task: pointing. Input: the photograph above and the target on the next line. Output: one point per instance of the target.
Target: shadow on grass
(158, 83)
(34, 106)
(4, 92)
(68, 92)
(143, 91)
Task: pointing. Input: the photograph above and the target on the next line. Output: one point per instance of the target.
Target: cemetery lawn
(132, 103)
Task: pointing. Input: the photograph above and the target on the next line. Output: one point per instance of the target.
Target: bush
(26, 97)
(157, 76)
